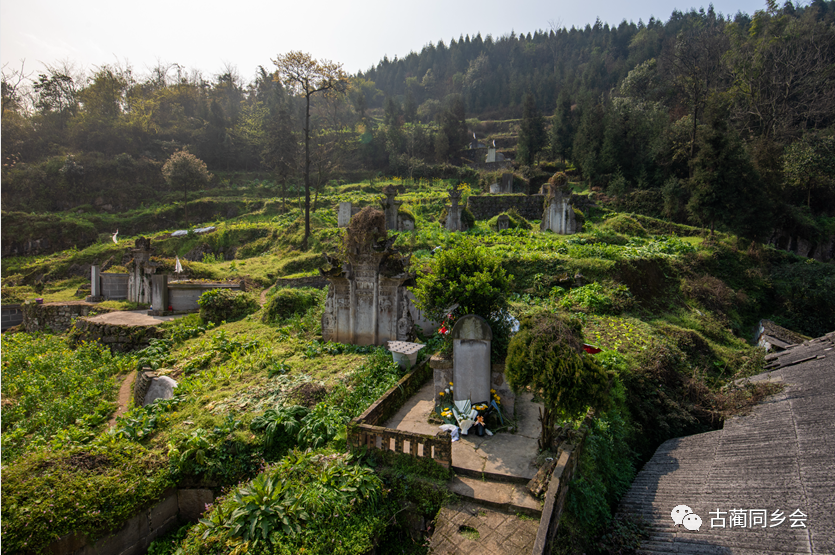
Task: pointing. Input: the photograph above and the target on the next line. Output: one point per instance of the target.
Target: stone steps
(779, 457)
(508, 497)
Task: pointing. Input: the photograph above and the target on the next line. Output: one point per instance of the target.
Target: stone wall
(137, 533)
(485, 207)
(114, 287)
(531, 207)
(568, 455)
(120, 339)
(56, 316)
(12, 316)
(141, 385)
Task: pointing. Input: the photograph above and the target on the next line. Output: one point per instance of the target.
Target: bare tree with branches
(306, 76)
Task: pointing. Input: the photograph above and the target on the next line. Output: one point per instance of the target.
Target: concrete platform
(504, 456)
(131, 318)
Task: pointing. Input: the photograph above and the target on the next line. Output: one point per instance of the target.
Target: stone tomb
(453, 218)
(471, 338)
(366, 302)
(558, 215)
(140, 270)
(504, 185)
(502, 222)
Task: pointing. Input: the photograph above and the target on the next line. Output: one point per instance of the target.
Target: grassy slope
(677, 311)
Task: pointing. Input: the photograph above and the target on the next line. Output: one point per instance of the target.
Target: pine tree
(532, 138)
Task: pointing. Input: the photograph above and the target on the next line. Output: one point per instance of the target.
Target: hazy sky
(207, 35)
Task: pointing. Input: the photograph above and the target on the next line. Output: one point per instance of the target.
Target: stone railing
(568, 456)
(364, 430)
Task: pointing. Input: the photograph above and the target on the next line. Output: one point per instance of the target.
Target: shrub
(547, 355)
(218, 305)
(472, 277)
(305, 503)
(289, 302)
(621, 223)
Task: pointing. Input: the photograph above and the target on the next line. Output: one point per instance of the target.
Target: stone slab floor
(467, 528)
(502, 455)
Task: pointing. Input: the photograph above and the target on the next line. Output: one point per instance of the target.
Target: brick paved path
(467, 528)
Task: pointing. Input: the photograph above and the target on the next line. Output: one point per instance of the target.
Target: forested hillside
(706, 118)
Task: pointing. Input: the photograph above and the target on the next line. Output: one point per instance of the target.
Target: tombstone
(558, 215)
(140, 270)
(159, 293)
(95, 283)
(366, 302)
(390, 206)
(493, 156)
(453, 218)
(502, 222)
(471, 337)
(344, 214)
(504, 185)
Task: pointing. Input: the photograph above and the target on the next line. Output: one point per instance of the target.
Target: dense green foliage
(217, 305)
(54, 394)
(289, 302)
(92, 489)
(547, 356)
(295, 506)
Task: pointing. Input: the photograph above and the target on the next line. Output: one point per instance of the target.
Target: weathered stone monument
(558, 215)
(140, 270)
(95, 284)
(502, 222)
(395, 219)
(493, 156)
(390, 207)
(366, 302)
(471, 337)
(453, 216)
(343, 216)
(504, 185)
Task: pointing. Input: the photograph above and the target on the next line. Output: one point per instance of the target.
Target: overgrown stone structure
(503, 185)
(453, 217)
(140, 270)
(558, 215)
(396, 220)
(366, 302)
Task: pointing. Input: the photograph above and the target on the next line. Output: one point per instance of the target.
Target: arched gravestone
(471, 337)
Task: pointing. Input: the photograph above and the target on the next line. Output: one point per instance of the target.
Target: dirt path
(125, 394)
